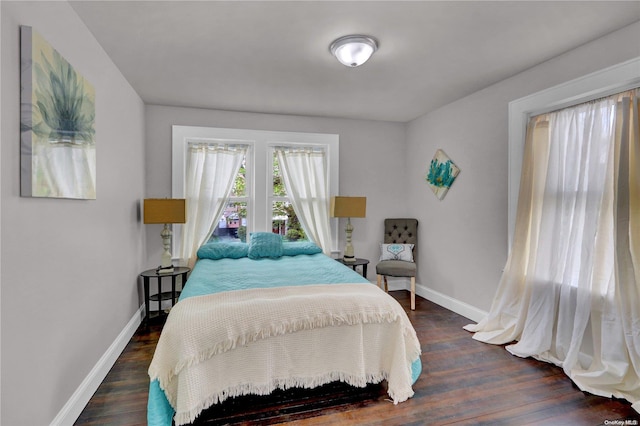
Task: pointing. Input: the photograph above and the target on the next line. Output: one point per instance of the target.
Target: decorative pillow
(397, 252)
(299, 247)
(222, 249)
(265, 244)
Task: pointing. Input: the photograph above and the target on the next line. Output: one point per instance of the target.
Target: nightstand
(160, 296)
(358, 262)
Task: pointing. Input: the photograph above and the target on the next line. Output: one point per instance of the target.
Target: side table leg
(173, 290)
(159, 296)
(145, 283)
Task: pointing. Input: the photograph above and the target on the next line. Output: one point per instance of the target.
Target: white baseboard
(455, 305)
(74, 406)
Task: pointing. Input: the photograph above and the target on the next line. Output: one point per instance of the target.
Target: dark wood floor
(463, 382)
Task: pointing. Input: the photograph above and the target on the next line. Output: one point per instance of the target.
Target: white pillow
(397, 252)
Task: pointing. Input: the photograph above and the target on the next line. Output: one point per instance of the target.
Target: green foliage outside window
(284, 208)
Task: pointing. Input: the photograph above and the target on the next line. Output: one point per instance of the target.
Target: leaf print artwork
(57, 124)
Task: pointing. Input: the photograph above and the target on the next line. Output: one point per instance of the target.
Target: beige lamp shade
(348, 206)
(164, 210)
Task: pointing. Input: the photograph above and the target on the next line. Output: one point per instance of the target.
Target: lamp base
(348, 255)
(166, 254)
(164, 270)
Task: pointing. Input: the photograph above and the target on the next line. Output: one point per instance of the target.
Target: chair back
(402, 231)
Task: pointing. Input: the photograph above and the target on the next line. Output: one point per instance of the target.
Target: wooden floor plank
(463, 382)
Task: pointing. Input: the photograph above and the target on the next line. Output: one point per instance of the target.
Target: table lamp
(165, 210)
(348, 207)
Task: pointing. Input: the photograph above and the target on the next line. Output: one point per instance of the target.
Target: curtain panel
(305, 175)
(570, 291)
(211, 171)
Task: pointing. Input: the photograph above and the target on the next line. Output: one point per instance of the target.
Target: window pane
(278, 183)
(285, 222)
(240, 184)
(233, 223)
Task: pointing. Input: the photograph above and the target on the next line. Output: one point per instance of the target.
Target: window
(569, 289)
(596, 85)
(233, 223)
(284, 220)
(259, 201)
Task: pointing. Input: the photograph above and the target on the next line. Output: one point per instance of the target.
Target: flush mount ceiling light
(353, 50)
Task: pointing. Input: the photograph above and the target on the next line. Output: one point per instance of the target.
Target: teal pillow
(265, 244)
(222, 249)
(299, 247)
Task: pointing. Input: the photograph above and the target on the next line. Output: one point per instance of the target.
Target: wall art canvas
(57, 124)
(441, 174)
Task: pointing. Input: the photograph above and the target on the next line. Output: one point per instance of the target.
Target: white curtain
(305, 176)
(211, 172)
(570, 291)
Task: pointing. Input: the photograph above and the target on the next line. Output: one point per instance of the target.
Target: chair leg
(413, 293)
(379, 281)
(386, 284)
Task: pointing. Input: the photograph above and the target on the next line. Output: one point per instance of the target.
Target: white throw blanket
(253, 341)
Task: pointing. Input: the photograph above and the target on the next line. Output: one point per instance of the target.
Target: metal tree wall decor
(441, 174)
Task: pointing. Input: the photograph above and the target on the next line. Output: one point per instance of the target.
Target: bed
(257, 317)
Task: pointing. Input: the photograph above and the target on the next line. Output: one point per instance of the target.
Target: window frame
(262, 143)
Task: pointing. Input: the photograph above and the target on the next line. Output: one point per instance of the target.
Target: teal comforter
(214, 276)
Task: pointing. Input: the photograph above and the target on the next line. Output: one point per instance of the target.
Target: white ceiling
(273, 56)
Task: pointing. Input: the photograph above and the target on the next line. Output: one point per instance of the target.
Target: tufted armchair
(399, 231)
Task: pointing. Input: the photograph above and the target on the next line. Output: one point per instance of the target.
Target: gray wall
(463, 238)
(372, 163)
(69, 267)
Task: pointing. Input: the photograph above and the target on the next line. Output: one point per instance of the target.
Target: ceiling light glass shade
(353, 50)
